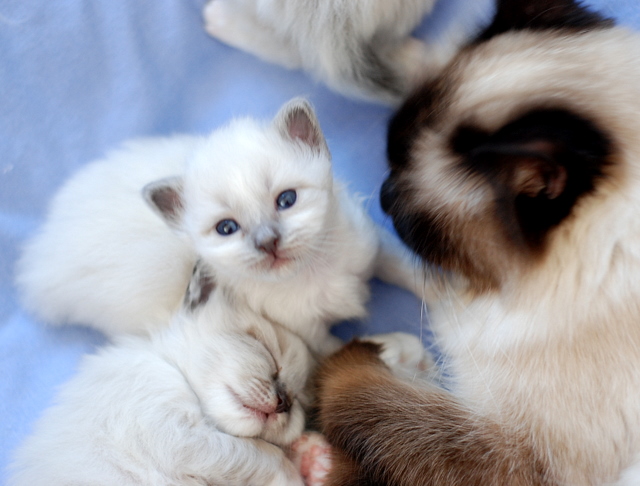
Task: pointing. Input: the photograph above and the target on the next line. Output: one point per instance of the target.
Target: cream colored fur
(554, 351)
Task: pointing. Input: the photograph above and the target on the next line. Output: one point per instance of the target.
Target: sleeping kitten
(358, 48)
(209, 400)
(518, 173)
(256, 201)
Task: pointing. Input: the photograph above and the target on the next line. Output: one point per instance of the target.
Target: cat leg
(225, 459)
(397, 265)
(237, 27)
(402, 434)
(346, 472)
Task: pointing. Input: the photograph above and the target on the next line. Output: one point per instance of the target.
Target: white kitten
(206, 401)
(257, 202)
(358, 48)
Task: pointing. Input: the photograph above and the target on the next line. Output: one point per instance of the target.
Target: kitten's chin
(278, 428)
(275, 269)
(284, 428)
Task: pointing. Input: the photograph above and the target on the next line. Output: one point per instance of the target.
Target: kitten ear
(200, 286)
(296, 120)
(166, 198)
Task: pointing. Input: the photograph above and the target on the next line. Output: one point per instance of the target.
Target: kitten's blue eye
(286, 199)
(227, 227)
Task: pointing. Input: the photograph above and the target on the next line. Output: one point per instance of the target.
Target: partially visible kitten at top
(517, 173)
(209, 400)
(256, 201)
(359, 48)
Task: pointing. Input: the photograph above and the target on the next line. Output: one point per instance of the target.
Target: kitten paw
(311, 454)
(402, 352)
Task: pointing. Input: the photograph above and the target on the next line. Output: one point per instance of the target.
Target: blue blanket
(77, 78)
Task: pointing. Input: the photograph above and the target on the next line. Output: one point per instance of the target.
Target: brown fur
(421, 435)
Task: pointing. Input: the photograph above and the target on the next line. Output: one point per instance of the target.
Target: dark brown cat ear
(528, 168)
(533, 177)
(165, 197)
(538, 165)
(297, 121)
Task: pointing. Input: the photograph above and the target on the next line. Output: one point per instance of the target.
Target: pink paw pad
(311, 454)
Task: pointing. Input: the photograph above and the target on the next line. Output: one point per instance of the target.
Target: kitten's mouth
(276, 261)
(261, 415)
(279, 262)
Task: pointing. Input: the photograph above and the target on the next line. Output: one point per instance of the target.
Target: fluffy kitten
(209, 400)
(356, 47)
(517, 172)
(256, 201)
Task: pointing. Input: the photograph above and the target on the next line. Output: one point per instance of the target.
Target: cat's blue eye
(227, 227)
(286, 199)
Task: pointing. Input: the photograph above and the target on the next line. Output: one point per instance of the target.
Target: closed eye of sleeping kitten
(517, 175)
(209, 400)
(358, 48)
(256, 201)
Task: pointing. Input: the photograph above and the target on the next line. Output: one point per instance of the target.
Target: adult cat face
(256, 200)
(512, 149)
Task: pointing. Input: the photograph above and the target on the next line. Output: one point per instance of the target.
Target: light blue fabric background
(78, 77)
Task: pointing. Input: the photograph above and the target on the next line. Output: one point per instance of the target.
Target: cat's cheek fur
(234, 419)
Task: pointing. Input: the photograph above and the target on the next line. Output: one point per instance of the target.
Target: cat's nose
(283, 400)
(266, 239)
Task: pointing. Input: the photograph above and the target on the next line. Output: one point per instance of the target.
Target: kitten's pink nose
(267, 239)
(284, 402)
(269, 245)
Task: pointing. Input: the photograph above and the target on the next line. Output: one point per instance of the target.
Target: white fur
(105, 259)
(173, 409)
(102, 256)
(360, 48)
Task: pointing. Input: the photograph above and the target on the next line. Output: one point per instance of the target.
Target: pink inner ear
(300, 127)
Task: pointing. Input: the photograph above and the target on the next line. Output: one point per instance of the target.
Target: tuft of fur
(108, 259)
(361, 48)
(210, 400)
(517, 173)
